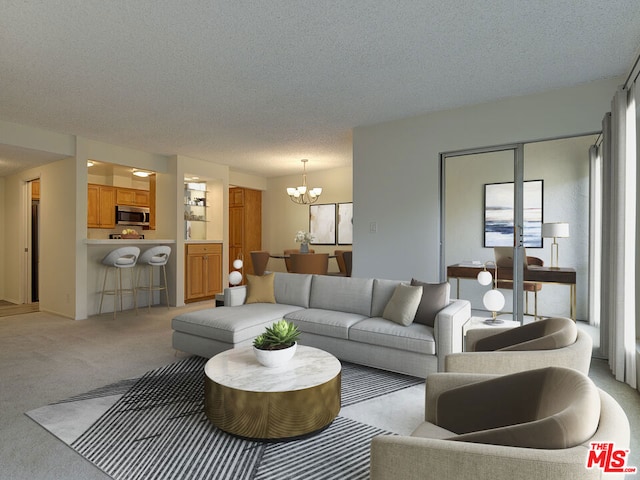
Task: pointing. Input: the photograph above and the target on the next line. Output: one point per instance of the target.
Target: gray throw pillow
(403, 305)
(434, 299)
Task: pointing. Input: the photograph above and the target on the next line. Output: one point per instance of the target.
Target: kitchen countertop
(147, 241)
(113, 241)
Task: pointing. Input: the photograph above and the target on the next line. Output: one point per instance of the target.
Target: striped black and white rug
(154, 427)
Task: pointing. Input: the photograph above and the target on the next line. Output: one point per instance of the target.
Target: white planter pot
(275, 358)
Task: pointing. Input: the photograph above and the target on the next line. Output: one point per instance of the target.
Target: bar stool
(119, 259)
(154, 257)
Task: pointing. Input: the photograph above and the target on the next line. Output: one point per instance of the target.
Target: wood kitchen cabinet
(35, 190)
(132, 196)
(102, 201)
(245, 225)
(152, 202)
(203, 271)
(101, 206)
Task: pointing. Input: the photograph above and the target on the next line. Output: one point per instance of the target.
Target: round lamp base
(493, 321)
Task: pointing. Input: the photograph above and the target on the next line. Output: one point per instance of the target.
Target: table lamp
(555, 230)
(493, 300)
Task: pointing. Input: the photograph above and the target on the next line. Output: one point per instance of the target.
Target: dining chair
(317, 263)
(347, 256)
(527, 287)
(340, 261)
(287, 260)
(259, 259)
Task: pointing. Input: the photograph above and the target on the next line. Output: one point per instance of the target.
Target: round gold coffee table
(246, 399)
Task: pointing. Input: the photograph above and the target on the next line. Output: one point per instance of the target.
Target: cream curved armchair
(531, 425)
(549, 342)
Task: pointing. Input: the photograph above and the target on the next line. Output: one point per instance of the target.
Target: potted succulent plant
(277, 345)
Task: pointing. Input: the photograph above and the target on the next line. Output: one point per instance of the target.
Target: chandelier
(304, 195)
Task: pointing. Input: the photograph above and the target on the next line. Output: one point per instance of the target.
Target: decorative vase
(275, 358)
(304, 248)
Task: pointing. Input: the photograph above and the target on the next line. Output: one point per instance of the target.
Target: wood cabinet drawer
(203, 248)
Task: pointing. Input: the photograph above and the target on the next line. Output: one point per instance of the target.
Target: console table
(532, 274)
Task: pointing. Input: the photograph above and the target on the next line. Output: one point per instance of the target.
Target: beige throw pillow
(260, 289)
(403, 305)
(434, 299)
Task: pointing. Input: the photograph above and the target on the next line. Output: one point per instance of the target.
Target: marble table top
(238, 368)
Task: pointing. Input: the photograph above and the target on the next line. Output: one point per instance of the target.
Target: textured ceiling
(260, 85)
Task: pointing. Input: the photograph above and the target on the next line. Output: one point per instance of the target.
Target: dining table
(282, 255)
(285, 257)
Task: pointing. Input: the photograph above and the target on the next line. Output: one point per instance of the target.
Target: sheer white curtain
(619, 235)
(595, 229)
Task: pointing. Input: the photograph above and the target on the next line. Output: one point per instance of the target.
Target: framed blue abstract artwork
(499, 215)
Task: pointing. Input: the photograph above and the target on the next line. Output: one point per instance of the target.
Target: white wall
(58, 239)
(5, 232)
(245, 180)
(396, 169)
(35, 138)
(281, 218)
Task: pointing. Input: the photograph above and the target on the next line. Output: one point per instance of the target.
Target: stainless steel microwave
(126, 215)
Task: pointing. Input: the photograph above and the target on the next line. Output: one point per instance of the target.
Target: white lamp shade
(237, 264)
(493, 300)
(235, 278)
(557, 230)
(485, 277)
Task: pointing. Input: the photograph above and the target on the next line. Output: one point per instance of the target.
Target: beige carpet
(8, 308)
(45, 358)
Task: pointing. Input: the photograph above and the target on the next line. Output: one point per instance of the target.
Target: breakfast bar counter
(128, 241)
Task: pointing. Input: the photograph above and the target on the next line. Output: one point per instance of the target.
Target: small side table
(479, 322)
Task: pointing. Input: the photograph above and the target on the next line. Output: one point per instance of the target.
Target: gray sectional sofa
(342, 315)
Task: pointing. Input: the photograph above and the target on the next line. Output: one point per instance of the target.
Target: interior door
(32, 248)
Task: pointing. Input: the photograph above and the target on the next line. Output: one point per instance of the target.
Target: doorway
(563, 166)
(477, 218)
(33, 247)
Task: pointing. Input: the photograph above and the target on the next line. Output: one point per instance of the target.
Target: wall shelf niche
(195, 211)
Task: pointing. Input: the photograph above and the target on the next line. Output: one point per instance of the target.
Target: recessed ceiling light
(89, 163)
(140, 173)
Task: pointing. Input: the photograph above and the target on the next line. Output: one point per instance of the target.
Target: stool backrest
(158, 255)
(123, 257)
